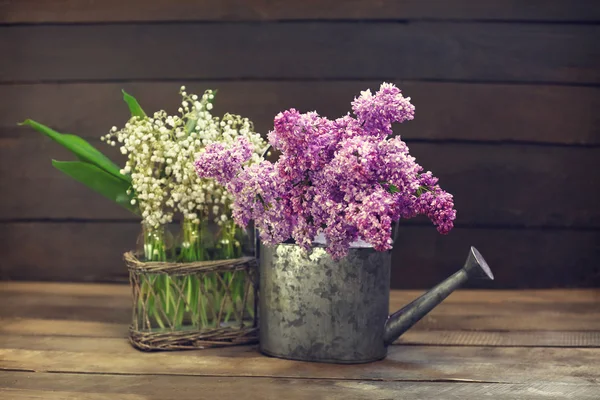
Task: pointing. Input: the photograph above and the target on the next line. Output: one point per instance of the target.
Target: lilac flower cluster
(222, 162)
(345, 179)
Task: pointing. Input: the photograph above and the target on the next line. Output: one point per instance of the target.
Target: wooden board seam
(247, 79)
(441, 380)
(14, 12)
(447, 338)
(542, 53)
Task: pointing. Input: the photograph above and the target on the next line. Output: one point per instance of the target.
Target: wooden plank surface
(68, 11)
(36, 251)
(26, 385)
(490, 73)
(403, 363)
(568, 319)
(304, 50)
(91, 359)
(444, 111)
(102, 310)
(53, 334)
(510, 180)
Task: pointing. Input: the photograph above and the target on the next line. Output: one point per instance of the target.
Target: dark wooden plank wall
(507, 96)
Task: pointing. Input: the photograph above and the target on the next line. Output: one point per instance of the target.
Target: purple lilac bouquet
(345, 179)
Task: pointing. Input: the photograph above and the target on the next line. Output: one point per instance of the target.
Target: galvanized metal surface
(315, 309)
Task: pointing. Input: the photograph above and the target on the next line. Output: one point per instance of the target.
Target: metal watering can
(312, 308)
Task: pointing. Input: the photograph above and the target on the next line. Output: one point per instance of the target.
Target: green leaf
(393, 189)
(99, 181)
(134, 107)
(190, 125)
(214, 92)
(81, 148)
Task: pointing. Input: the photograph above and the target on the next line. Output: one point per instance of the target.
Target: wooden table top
(68, 341)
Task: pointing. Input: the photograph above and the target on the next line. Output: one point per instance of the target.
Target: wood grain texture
(54, 329)
(507, 94)
(36, 251)
(68, 11)
(302, 50)
(557, 317)
(32, 394)
(51, 334)
(96, 250)
(445, 111)
(426, 363)
(492, 185)
(483, 75)
(564, 318)
(503, 339)
(27, 385)
(462, 303)
(75, 359)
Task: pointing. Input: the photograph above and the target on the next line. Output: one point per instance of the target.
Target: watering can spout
(402, 320)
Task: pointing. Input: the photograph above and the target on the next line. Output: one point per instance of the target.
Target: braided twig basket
(205, 304)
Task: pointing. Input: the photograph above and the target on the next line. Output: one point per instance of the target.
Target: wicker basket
(178, 306)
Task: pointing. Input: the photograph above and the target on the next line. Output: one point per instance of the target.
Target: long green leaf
(134, 107)
(99, 181)
(81, 148)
